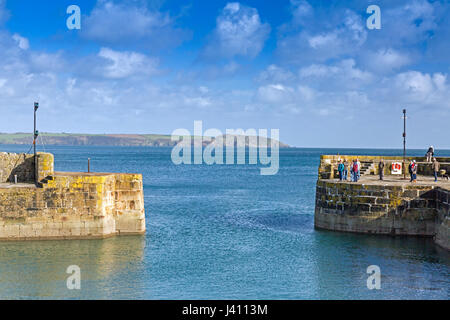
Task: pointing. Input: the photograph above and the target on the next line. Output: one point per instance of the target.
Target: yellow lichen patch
(73, 205)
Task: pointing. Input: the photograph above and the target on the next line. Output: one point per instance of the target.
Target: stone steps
(366, 167)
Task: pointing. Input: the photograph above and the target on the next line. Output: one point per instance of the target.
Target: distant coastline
(79, 139)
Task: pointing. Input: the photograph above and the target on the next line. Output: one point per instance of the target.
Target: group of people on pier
(354, 167)
(412, 168)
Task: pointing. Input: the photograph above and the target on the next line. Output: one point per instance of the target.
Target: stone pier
(66, 205)
(392, 207)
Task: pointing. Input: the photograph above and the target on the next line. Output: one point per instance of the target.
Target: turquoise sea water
(222, 232)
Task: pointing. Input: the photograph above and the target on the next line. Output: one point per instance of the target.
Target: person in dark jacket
(352, 174)
(410, 170)
(430, 153)
(414, 171)
(381, 169)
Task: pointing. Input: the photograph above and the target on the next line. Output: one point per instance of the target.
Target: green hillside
(73, 139)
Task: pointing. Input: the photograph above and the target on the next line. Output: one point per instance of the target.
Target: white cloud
(22, 42)
(274, 73)
(197, 102)
(414, 82)
(46, 62)
(328, 78)
(355, 25)
(239, 32)
(409, 23)
(231, 67)
(385, 60)
(126, 64)
(342, 34)
(203, 89)
(323, 40)
(111, 86)
(17, 58)
(307, 93)
(130, 24)
(344, 74)
(422, 88)
(410, 30)
(343, 88)
(212, 71)
(318, 70)
(300, 10)
(325, 101)
(275, 94)
(440, 81)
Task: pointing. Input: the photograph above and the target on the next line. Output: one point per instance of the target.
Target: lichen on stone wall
(72, 205)
(393, 209)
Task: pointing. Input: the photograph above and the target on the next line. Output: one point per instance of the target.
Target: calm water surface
(222, 232)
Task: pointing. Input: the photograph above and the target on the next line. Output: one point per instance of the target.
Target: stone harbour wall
(362, 208)
(387, 208)
(443, 219)
(44, 167)
(66, 205)
(21, 165)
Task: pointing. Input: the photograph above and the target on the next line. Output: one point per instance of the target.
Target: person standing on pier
(381, 169)
(430, 153)
(413, 171)
(410, 170)
(359, 168)
(352, 174)
(345, 169)
(356, 169)
(436, 167)
(341, 170)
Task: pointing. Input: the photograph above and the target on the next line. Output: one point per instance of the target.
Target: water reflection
(37, 269)
(407, 265)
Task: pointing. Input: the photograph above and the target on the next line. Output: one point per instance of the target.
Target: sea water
(222, 232)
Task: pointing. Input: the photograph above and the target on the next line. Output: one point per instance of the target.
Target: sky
(312, 69)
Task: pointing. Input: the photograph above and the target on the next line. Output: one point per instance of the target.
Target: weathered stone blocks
(419, 210)
(12, 164)
(72, 205)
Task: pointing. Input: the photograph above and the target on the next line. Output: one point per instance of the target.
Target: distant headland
(80, 139)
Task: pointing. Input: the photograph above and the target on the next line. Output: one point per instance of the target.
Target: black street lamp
(35, 132)
(404, 143)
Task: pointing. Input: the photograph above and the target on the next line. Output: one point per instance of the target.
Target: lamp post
(404, 144)
(35, 132)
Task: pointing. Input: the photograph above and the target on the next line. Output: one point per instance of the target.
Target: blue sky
(311, 69)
